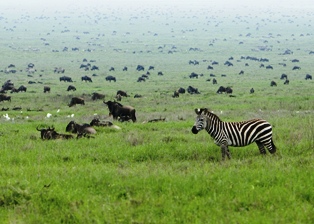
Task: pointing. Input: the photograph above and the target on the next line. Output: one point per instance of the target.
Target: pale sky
(63, 4)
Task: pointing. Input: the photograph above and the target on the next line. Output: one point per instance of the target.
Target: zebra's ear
(199, 111)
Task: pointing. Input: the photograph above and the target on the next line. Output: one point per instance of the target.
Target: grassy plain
(157, 172)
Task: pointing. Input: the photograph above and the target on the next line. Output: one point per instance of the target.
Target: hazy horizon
(68, 4)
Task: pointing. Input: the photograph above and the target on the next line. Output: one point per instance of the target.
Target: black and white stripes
(234, 133)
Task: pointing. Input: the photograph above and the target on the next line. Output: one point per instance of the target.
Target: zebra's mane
(207, 113)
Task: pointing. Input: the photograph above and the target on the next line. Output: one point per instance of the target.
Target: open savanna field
(156, 172)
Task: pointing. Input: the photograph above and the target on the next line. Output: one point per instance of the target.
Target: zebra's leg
(261, 147)
(225, 151)
(271, 146)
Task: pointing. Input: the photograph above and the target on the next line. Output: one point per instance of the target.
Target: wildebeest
(71, 88)
(4, 97)
(192, 90)
(80, 130)
(273, 83)
(140, 68)
(59, 70)
(8, 85)
(86, 78)
(223, 89)
(76, 100)
(181, 90)
(98, 123)
(122, 93)
(175, 94)
(22, 88)
(308, 76)
(141, 79)
(284, 76)
(50, 133)
(118, 111)
(65, 79)
(193, 75)
(46, 89)
(111, 78)
(97, 96)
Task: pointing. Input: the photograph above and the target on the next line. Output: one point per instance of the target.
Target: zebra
(234, 133)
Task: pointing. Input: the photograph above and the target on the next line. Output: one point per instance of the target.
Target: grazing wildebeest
(80, 130)
(141, 79)
(252, 90)
(284, 76)
(111, 78)
(4, 97)
(175, 94)
(273, 83)
(94, 67)
(122, 93)
(229, 90)
(65, 79)
(296, 68)
(97, 96)
(8, 85)
(192, 90)
(221, 89)
(181, 90)
(22, 89)
(86, 78)
(193, 75)
(308, 76)
(286, 82)
(46, 89)
(70, 87)
(118, 111)
(76, 100)
(140, 68)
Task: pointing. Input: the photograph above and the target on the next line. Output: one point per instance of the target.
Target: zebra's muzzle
(194, 130)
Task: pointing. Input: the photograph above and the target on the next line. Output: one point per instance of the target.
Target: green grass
(156, 172)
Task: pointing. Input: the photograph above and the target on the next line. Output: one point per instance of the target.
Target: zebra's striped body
(235, 133)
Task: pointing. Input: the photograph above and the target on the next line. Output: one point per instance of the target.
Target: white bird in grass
(6, 116)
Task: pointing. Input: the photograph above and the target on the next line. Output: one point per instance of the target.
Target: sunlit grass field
(156, 172)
